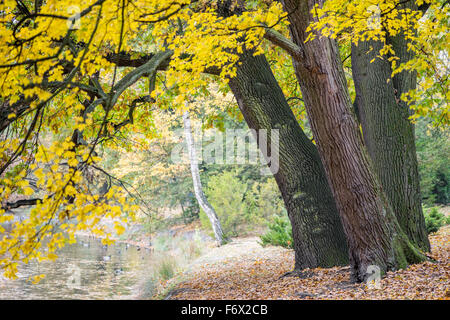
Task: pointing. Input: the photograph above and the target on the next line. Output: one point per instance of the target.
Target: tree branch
(21, 203)
(149, 68)
(284, 43)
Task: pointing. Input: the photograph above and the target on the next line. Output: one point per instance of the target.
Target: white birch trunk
(199, 194)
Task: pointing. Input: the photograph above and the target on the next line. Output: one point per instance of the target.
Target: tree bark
(319, 239)
(198, 190)
(388, 133)
(373, 233)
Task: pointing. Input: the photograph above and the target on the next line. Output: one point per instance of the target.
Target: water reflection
(85, 270)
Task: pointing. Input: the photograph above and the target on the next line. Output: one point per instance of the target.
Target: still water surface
(86, 270)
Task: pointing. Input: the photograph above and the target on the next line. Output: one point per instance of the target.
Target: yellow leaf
(28, 191)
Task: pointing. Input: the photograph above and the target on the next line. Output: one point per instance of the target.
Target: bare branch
(21, 203)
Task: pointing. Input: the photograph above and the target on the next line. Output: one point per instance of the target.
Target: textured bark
(198, 190)
(388, 133)
(373, 233)
(319, 239)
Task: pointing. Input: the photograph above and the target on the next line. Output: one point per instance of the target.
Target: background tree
(198, 189)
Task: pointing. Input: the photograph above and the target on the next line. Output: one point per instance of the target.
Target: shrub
(434, 219)
(264, 201)
(190, 213)
(204, 221)
(165, 268)
(242, 206)
(226, 192)
(433, 147)
(279, 234)
(191, 249)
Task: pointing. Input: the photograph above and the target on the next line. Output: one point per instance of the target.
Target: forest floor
(242, 269)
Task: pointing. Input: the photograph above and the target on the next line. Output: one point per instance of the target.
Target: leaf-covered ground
(243, 269)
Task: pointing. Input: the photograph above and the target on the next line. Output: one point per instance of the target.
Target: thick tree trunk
(373, 233)
(389, 135)
(319, 239)
(198, 190)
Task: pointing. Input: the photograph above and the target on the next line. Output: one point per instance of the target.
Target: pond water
(86, 270)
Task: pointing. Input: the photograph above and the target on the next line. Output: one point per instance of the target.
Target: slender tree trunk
(373, 232)
(319, 239)
(389, 135)
(198, 190)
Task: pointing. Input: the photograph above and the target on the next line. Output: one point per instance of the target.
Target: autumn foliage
(77, 76)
